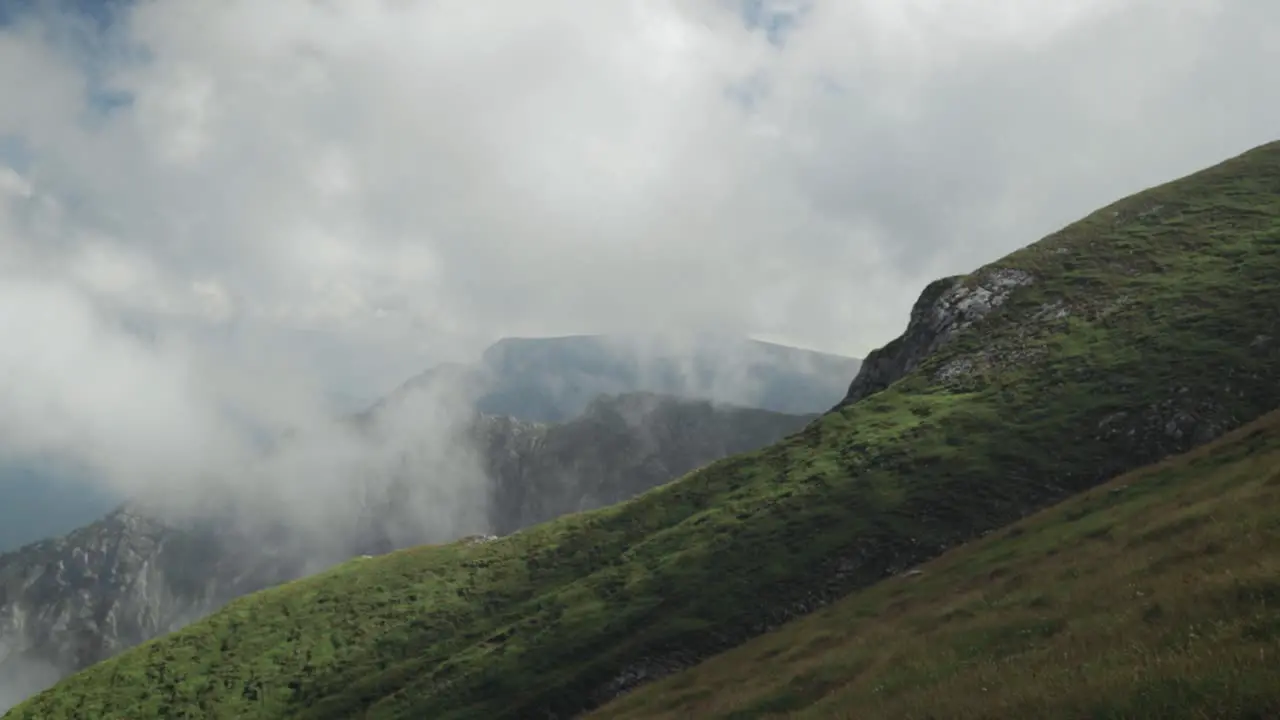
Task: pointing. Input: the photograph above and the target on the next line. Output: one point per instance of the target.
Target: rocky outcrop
(77, 599)
(946, 307)
(69, 602)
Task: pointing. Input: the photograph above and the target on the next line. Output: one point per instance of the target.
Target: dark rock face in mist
(69, 602)
(555, 379)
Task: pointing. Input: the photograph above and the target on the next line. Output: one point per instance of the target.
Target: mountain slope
(1154, 596)
(68, 602)
(1138, 332)
(555, 379)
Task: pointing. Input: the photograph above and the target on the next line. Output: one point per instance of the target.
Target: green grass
(1154, 596)
(1169, 298)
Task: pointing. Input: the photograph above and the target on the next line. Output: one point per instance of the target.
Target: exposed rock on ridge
(945, 307)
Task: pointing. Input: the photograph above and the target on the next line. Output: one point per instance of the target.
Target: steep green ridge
(1155, 596)
(1138, 332)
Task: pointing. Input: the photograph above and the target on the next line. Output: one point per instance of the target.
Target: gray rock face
(69, 602)
(71, 599)
(946, 307)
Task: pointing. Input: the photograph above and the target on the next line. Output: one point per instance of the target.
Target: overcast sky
(367, 186)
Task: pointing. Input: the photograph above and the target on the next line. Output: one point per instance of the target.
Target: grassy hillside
(1135, 333)
(1154, 596)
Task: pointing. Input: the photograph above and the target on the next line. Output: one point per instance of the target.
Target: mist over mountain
(535, 429)
(1143, 331)
(151, 567)
(554, 379)
(530, 379)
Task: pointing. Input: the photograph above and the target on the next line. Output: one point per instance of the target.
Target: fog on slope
(187, 432)
(250, 442)
(405, 474)
(20, 681)
(244, 445)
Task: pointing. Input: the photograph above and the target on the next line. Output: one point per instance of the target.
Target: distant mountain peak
(553, 379)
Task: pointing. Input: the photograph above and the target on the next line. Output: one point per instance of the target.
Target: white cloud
(73, 380)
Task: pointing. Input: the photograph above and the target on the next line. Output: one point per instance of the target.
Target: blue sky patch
(775, 17)
(14, 153)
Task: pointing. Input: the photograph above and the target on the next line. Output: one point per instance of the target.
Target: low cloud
(156, 413)
(188, 431)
